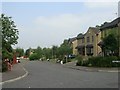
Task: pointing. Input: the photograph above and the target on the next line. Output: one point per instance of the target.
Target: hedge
(79, 60)
(99, 62)
(104, 61)
(34, 56)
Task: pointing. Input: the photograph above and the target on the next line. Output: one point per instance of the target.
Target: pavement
(18, 71)
(72, 65)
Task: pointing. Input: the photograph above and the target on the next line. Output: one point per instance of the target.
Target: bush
(79, 61)
(34, 56)
(119, 58)
(116, 64)
(94, 61)
(103, 61)
(4, 67)
(69, 60)
(85, 63)
(99, 61)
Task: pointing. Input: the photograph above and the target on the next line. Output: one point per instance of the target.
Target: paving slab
(17, 71)
(93, 69)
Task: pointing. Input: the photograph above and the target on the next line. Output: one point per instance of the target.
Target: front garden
(109, 61)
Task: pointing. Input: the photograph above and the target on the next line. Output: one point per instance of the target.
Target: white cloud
(60, 21)
(72, 22)
(52, 30)
(101, 4)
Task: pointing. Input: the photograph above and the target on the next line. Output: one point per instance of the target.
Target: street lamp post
(119, 37)
(52, 53)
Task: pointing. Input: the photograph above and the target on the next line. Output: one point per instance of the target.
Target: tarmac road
(48, 75)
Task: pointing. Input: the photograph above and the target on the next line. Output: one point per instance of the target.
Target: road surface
(48, 75)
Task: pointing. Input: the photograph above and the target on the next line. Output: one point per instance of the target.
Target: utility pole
(117, 14)
(52, 52)
(119, 37)
(119, 27)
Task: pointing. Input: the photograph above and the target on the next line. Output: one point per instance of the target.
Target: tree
(19, 52)
(9, 30)
(34, 56)
(64, 49)
(39, 51)
(54, 51)
(27, 52)
(47, 52)
(110, 44)
(9, 35)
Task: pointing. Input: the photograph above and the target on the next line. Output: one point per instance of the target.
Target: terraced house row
(91, 43)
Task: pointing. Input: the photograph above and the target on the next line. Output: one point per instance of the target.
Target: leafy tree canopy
(9, 30)
(110, 42)
(20, 52)
(9, 35)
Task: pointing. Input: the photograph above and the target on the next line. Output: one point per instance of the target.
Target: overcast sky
(48, 23)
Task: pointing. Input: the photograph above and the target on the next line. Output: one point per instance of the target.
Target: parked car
(71, 56)
(18, 60)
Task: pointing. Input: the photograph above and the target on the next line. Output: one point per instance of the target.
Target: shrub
(103, 61)
(119, 58)
(4, 67)
(34, 56)
(69, 60)
(85, 63)
(64, 61)
(116, 64)
(99, 61)
(79, 61)
(94, 61)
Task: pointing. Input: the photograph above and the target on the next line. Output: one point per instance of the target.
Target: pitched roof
(80, 36)
(112, 24)
(71, 39)
(96, 30)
